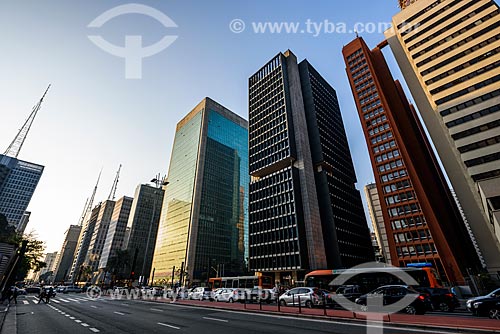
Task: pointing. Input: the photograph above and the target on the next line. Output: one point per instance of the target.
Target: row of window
(458, 44)
(364, 84)
(420, 13)
(382, 137)
(355, 68)
(470, 103)
(392, 165)
(476, 129)
(451, 15)
(473, 116)
(454, 23)
(384, 147)
(387, 156)
(469, 63)
(468, 90)
(368, 99)
(403, 210)
(394, 175)
(371, 88)
(483, 160)
(378, 120)
(379, 129)
(268, 68)
(355, 54)
(397, 186)
(479, 144)
(411, 236)
(467, 77)
(401, 197)
(410, 222)
(419, 250)
(363, 78)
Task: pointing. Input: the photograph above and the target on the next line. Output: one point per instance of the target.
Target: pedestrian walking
(13, 295)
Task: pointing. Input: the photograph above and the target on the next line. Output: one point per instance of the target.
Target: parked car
(73, 289)
(495, 311)
(308, 297)
(351, 292)
(241, 295)
(392, 294)
(47, 289)
(265, 295)
(60, 288)
(201, 294)
(441, 299)
(481, 306)
(223, 295)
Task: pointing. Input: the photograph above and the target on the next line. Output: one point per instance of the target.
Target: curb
(317, 317)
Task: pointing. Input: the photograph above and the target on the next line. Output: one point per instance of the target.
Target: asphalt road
(77, 314)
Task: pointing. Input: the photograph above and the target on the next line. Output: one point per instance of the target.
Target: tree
(8, 232)
(32, 257)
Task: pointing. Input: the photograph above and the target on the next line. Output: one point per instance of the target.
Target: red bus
(370, 279)
(244, 282)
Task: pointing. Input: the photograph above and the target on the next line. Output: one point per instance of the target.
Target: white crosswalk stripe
(25, 302)
(64, 300)
(56, 301)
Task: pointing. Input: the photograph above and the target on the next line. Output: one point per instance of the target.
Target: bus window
(216, 285)
(266, 281)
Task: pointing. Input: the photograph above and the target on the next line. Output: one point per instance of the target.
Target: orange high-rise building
(422, 220)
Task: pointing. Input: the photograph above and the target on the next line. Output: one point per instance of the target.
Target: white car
(201, 294)
(223, 295)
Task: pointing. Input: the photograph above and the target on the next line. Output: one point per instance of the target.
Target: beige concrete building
(448, 51)
(377, 219)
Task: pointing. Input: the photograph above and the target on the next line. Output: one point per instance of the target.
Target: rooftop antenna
(16, 145)
(112, 193)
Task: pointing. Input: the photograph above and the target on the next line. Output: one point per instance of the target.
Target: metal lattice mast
(16, 145)
(88, 205)
(112, 193)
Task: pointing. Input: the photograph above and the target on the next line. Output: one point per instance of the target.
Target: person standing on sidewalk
(14, 293)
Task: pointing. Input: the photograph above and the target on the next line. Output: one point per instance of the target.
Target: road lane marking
(64, 300)
(84, 324)
(25, 302)
(215, 319)
(93, 306)
(155, 309)
(72, 318)
(67, 315)
(73, 300)
(78, 321)
(95, 330)
(167, 325)
(125, 304)
(56, 301)
(119, 313)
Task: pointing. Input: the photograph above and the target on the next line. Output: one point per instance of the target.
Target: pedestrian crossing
(58, 300)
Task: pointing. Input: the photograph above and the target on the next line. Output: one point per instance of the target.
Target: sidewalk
(430, 322)
(8, 324)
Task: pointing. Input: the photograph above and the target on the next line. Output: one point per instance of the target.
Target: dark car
(32, 289)
(481, 306)
(391, 294)
(441, 299)
(350, 292)
(494, 312)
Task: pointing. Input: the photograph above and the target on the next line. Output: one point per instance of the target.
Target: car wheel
(282, 302)
(363, 308)
(411, 310)
(494, 314)
(309, 304)
(444, 307)
(231, 300)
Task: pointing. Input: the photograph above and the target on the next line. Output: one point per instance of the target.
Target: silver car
(308, 297)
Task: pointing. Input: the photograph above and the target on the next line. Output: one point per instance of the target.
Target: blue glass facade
(204, 220)
(18, 181)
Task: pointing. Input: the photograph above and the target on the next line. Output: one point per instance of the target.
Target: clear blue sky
(93, 117)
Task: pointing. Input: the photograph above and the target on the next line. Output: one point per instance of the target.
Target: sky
(94, 117)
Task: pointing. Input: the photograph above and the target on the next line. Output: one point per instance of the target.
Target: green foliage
(32, 257)
(120, 264)
(8, 232)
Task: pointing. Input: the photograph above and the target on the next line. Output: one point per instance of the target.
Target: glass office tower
(18, 181)
(204, 223)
